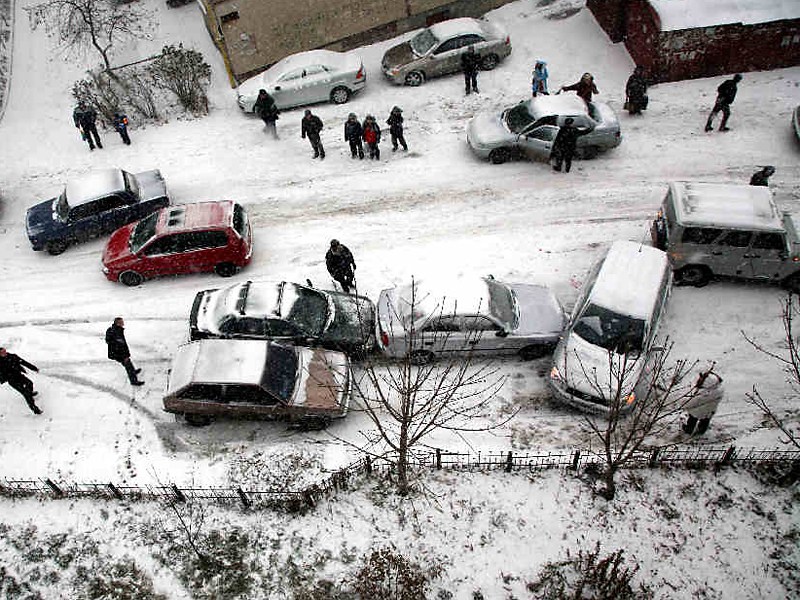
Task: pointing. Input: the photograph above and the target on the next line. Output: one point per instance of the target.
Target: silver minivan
(731, 230)
(607, 347)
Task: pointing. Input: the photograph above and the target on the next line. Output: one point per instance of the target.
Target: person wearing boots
(267, 110)
(703, 402)
(12, 371)
(564, 145)
(340, 264)
(352, 134)
(311, 126)
(395, 123)
(726, 94)
(85, 119)
(118, 350)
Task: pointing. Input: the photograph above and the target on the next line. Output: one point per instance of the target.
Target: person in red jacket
(372, 136)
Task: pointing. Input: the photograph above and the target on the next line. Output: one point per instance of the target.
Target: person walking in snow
(267, 111)
(372, 136)
(470, 63)
(118, 350)
(395, 123)
(761, 177)
(121, 125)
(311, 126)
(726, 94)
(584, 87)
(340, 264)
(85, 119)
(352, 134)
(636, 99)
(539, 78)
(12, 371)
(703, 402)
(564, 145)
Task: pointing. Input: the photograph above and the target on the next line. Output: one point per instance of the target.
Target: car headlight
(394, 71)
(105, 270)
(630, 398)
(556, 374)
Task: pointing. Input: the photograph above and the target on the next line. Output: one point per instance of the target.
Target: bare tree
(76, 24)
(186, 74)
(407, 401)
(789, 359)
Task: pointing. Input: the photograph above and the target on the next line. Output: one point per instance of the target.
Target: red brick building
(687, 39)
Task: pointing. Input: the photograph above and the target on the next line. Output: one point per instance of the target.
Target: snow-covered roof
(689, 14)
(447, 29)
(196, 216)
(464, 295)
(328, 58)
(218, 361)
(630, 279)
(725, 205)
(556, 104)
(262, 298)
(94, 184)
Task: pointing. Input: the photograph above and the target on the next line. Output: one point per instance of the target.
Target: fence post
(243, 497)
(438, 458)
(178, 494)
(727, 458)
(54, 487)
(576, 459)
(653, 457)
(509, 461)
(115, 491)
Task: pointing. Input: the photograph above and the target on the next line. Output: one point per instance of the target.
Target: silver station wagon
(437, 50)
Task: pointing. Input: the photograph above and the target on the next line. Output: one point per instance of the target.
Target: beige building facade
(253, 34)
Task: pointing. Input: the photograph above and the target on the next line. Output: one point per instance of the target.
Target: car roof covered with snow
(725, 205)
(93, 185)
(557, 104)
(628, 262)
(462, 26)
(311, 57)
(199, 215)
(690, 14)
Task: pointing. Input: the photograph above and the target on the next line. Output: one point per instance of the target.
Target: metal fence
(300, 500)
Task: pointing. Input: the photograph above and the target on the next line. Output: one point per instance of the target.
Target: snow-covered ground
(433, 211)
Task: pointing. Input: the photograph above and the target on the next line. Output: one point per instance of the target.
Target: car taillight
(508, 40)
(384, 338)
(360, 74)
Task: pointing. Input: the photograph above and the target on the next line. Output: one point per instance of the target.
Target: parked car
(188, 238)
(469, 315)
(437, 50)
(307, 78)
(93, 204)
(529, 129)
(249, 378)
(732, 230)
(287, 313)
(607, 350)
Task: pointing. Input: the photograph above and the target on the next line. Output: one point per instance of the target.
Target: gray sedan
(307, 78)
(465, 316)
(437, 50)
(529, 128)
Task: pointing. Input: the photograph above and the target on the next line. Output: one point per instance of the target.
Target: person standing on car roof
(584, 87)
(340, 264)
(311, 126)
(12, 371)
(118, 350)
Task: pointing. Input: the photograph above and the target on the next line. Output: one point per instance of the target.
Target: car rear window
(305, 308)
(280, 372)
(240, 220)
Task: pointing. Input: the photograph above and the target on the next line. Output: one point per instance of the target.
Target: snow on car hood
(488, 129)
(398, 56)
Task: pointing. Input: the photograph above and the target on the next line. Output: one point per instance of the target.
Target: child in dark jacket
(395, 123)
(121, 125)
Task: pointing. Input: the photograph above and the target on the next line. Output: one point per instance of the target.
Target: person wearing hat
(564, 144)
(703, 402)
(395, 123)
(340, 264)
(311, 126)
(761, 177)
(85, 119)
(726, 94)
(372, 136)
(352, 134)
(539, 78)
(12, 371)
(267, 110)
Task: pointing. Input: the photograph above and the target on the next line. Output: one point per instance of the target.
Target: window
(84, 211)
(769, 241)
(239, 220)
(292, 75)
(314, 70)
(279, 328)
(110, 203)
(280, 372)
(449, 45)
(613, 331)
(163, 245)
(477, 323)
(445, 323)
(699, 235)
(736, 239)
(199, 240)
(228, 17)
(248, 326)
(546, 133)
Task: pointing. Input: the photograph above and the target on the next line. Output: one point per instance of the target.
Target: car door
(536, 142)
(156, 258)
(729, 253)
(115, 213)
(440, 334)
(286, 92)
(84, 220)
(445, 58)
(768, 256)
(280, 331)
(200, 251)
(316, 84)
(479, 334)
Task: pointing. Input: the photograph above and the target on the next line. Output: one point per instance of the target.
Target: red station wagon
(188, 238)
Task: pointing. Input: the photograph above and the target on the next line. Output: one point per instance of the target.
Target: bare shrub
(186, 74)
(388, 575)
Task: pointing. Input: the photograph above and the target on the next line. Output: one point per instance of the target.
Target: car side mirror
(502, 333)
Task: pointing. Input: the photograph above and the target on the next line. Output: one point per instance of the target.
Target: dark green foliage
(388, 575)
(121, 580)
(185, 74)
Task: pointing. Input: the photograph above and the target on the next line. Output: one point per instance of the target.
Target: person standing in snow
(121, 125)
(564, 145)
(470, 63)
(636, 92)
(395, 123)
(726, 94)
(372, 136)
(761, 177)
(352, 134)
(12, 371)
(267, 110)
(118, 350)
(703, 402)
(85, 119)
(539, 78)
(311, 126)
(340, 264)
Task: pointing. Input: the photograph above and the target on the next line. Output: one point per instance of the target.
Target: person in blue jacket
(539, 78)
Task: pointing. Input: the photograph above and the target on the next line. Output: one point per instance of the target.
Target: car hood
(488, 129)
(323, 381)
(117, 249)
(399, 55)
(539, 310)
(151, 185)
(353, 320)
(40, 218)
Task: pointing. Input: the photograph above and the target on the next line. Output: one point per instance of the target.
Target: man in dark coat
(118, 350)
(470, 63)
(341, 265)
(564, 144)
(12, 370)
(395, 123)
(762, 177)
(726, 94)
(352, 134)
(311, 126)
(584, 87)
(636, 92)
(267, 110)
(85, 119)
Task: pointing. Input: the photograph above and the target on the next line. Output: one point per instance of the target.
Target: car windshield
(503, 304)
(518, 118)
(612, 331)
(305, 308)
(228, 300)
(62, 206)
(280, 372)
(423, 42)
(143, 232)
(131, 184)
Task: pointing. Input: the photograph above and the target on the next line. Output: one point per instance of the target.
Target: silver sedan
(465, 316)
(307, 78)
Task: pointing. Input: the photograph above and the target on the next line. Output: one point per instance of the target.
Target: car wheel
(340, 95)
(415, 79)
(792, 283)
(225, 269)
(533, 352)
(695, 275)
(130, 278)
(489, 62)
(197, 420)
(56, 247)
(499, 155)
(421, 357)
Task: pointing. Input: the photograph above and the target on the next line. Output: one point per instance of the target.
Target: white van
(606, 347)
